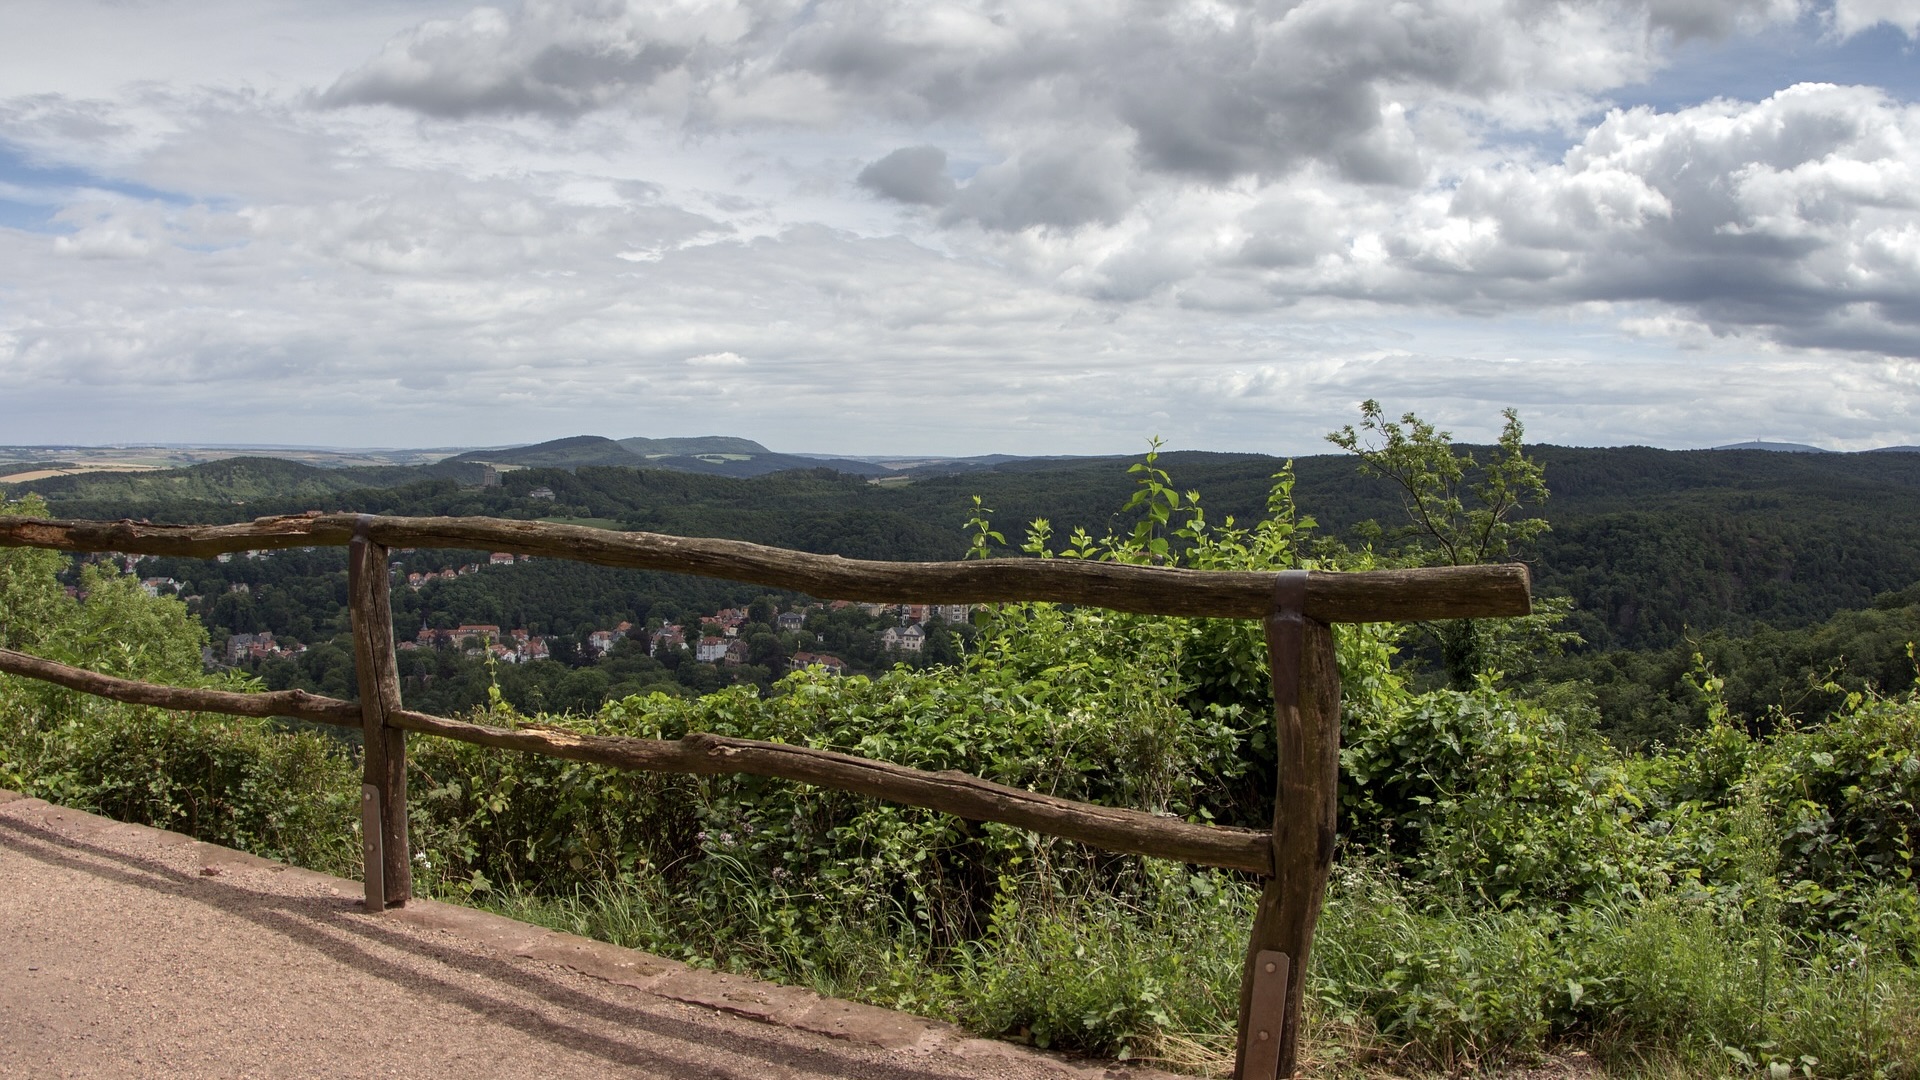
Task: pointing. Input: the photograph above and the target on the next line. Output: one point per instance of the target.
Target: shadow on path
(339, 930)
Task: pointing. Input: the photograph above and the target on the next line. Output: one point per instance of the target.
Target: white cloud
(1852, 17)
(1197, 89)
(1792, 219)
(1006, 226)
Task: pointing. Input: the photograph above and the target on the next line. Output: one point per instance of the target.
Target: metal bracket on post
(372, 849)
(1270, 971)
(1264, 1042)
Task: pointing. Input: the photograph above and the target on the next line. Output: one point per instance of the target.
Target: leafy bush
(246, 783)
(1506, 800)
(1078, 717)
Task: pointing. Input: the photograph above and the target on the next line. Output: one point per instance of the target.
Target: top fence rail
(1450, 592)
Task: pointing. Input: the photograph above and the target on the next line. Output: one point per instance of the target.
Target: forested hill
(1651, 543)
(235, 481)
(713, 455)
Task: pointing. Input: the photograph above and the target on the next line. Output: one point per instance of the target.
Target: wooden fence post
(1306, 690)
(385, 751)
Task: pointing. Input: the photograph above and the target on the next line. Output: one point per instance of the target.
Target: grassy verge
(1659, 987)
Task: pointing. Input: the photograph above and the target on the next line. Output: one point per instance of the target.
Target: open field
(102, 466)
(19, 464)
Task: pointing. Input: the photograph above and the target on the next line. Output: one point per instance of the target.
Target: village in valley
(717, 638)
(268, 608)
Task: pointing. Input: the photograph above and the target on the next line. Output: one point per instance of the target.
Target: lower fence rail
(1132, 831)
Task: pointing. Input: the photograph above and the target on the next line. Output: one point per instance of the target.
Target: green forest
(1789, 571)
(1666, 821)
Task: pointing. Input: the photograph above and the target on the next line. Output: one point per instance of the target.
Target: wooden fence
(1294, 858)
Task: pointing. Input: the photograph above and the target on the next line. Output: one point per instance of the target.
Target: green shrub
(245, 783)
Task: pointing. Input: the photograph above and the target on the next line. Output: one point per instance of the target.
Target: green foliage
(236, 482)
(33, 599)
(232, 781)
(1709, 990)
(1459, 513)
(1842, 799)
(1512, 804)
(241, 783)
(1156, 951)
(1801, 677)
(980, 533)
(1080, 719)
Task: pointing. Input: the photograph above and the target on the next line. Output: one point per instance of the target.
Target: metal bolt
(1269, 967)
(1263, 1036)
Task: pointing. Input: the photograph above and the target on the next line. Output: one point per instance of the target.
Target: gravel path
(127, 951)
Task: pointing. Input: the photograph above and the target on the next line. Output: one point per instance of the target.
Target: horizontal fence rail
(957, 793)
(1452, 592)
(1294, 858)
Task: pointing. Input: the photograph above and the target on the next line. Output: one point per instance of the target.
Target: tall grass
(1663, 986)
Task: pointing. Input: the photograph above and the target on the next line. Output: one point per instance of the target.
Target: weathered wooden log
(1305, 805)
(1132, 831)
(384, 747)
(1453, 592)
(956, 793)
(295, 703)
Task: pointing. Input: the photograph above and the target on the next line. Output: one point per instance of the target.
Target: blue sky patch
(1752, 67)
(31, 193)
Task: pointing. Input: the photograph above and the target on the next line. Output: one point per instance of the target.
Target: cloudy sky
(958, 227)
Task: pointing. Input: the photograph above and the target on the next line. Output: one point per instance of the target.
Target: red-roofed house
(803, 660)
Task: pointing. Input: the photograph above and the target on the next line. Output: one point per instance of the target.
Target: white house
(909, 638)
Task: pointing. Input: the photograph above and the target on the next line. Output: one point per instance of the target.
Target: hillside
(233, 481)
(713, 455)
(704, 444)
(1654, 545)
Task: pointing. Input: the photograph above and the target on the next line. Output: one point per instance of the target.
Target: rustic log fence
(1294, 858)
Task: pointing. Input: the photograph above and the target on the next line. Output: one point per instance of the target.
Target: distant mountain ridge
(702, 444)
(1779, 447)
(716, 455)
(712, 455)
